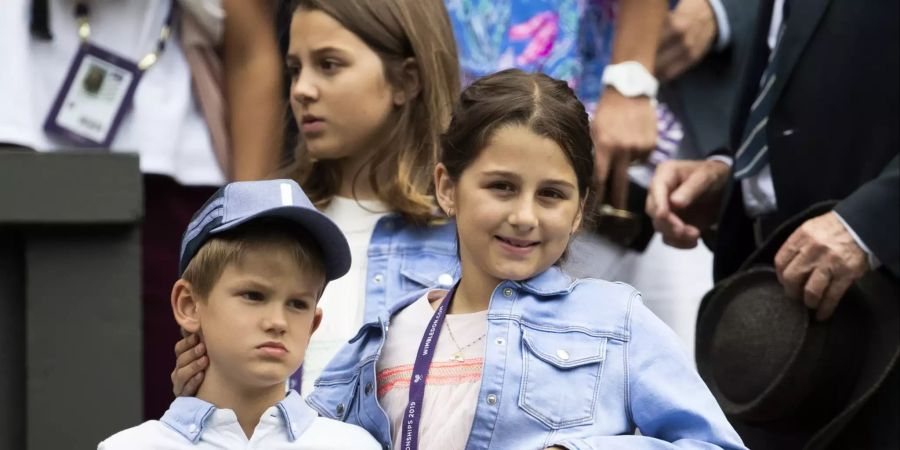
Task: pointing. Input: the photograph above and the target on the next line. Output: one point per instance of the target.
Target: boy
(254, 261)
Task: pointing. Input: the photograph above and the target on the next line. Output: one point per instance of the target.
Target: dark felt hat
(774, 368)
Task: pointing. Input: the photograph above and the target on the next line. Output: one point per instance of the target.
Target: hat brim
(331, 240)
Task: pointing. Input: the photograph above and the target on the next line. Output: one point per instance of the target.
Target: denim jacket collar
(188, 416)
(551, 282)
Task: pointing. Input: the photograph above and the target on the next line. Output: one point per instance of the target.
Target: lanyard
(84, 32)
(420, 373)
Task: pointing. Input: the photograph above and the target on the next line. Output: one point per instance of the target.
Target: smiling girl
(518, 355)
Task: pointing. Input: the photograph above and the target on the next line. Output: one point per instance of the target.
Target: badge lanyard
(99, 87)
(420, 373)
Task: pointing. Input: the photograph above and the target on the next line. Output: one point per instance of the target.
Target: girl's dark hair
(547, 106)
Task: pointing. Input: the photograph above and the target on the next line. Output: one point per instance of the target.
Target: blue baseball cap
(241, 202)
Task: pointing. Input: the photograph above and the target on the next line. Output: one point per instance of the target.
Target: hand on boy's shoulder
(149, 435)
(330, 434)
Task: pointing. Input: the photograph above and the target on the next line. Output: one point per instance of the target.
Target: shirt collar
(188, 416)
(297, 415)
(550, 282)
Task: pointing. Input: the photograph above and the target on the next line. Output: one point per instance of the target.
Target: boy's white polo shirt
(191, 423)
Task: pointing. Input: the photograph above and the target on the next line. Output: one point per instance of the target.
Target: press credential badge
(99, 88)
(94, 98)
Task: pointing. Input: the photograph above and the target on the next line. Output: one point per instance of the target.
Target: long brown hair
(400, 168)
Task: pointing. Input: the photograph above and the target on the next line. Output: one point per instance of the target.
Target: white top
(343, 302)
(191, 423)
(164, 126)
(452, 380)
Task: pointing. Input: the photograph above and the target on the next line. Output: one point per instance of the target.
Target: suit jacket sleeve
(873, 212)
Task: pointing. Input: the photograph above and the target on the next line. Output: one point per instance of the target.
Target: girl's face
(516, 206)
(339, 94)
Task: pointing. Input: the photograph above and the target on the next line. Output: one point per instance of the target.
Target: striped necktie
(753, 154)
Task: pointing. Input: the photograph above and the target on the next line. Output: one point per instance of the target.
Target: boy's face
(258, 317)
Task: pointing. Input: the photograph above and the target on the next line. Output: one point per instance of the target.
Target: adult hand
(624, 130)
(190, 362)
(819, 262)
(684, 197)
(687, 35)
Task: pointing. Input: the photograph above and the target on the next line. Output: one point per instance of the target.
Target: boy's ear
(185, 306)
(444, 189)
(317, 320)
(410, 83)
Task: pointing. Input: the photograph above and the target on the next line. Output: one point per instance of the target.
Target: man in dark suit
(816, 120)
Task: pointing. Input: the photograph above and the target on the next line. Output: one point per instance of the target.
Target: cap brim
(331, 240)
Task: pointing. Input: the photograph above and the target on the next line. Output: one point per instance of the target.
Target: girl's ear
(185, 306)
(444, 189)
(410, 83)
(578, 216)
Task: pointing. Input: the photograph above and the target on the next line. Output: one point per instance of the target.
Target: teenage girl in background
(517, 354)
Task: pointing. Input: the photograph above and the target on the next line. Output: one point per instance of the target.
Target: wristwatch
(631, 79)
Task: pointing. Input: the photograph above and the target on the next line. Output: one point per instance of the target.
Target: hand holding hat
(818, 262)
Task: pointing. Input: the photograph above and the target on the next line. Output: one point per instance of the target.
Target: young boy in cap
(254, 262)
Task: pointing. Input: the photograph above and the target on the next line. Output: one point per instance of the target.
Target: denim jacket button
(562, 354)
(507, 292)
(339, 411)
(500, 341)
(378, 278)
(491, 399)
(368, 388)
(445, 279)
(192, 429)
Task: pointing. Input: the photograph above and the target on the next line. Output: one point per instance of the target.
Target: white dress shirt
(191, 423)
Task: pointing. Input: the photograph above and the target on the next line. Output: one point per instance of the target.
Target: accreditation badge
(96, 94)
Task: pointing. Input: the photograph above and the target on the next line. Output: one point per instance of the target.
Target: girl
(574, 41)
(517, 354)
(372, 84)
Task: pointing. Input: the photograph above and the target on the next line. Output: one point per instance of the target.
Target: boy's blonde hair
(207, 265)
(401, 167)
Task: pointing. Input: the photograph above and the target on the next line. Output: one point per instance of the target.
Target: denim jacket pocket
(561, 371)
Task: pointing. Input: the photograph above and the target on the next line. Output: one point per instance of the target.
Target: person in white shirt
(254, 262)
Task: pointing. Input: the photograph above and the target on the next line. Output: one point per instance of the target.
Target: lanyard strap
(420, 373)
(84, 32)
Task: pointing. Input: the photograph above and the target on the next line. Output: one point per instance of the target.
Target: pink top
(451, 392)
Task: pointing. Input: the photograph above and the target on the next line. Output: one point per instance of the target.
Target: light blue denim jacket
(576, 363)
